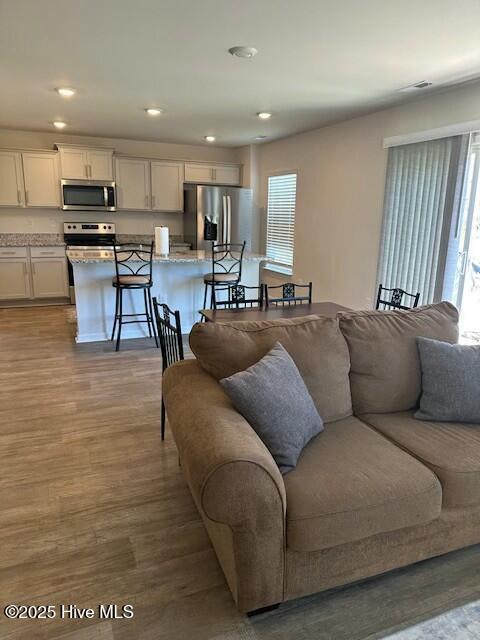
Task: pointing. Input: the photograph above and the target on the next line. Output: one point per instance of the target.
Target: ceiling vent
(423, 84)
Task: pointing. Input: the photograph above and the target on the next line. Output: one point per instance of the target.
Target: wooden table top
(274, 313)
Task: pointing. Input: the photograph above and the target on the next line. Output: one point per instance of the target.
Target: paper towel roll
(162, 245)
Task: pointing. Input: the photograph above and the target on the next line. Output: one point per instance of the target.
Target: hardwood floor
(94, 509)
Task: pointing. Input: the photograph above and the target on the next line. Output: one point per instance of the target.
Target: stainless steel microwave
(88, 195)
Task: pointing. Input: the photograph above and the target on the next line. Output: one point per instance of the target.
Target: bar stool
(226, 268)
(133, 267)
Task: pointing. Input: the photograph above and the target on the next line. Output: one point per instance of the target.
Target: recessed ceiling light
(153, 111)
(243, 52)
(264, 115)
(260, 137)
(66, 92)
(210, 138)
(59, 124)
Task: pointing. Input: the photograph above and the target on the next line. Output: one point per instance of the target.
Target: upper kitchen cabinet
(79, 163)
(11, 179)
(167, 185)
(42, 186)
(212, 174)
(132, 177)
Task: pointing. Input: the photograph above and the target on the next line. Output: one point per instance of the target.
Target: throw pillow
(272, 396)
(450, 382)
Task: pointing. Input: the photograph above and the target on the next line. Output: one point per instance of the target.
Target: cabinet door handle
(146, 202)
(86, 170)
(214, 175)
(19, 197)
(8, 253)
(26, 197)
(25, 268)
(47, 253)
(89, 170)
(33, 267)
(153, 202)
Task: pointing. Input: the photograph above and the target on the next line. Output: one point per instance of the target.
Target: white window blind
(282, 195)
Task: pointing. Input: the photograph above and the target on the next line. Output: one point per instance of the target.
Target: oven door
(88, 195)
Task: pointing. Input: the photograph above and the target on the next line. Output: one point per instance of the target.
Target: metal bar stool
(226, 268)
(170, 334)
(133, 267)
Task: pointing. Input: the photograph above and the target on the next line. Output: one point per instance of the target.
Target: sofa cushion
(351, 483)
(315, 343)
(450, 381)
(450, 449)
(272, 396)
(385, 371)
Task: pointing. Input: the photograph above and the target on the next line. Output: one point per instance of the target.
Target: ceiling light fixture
(260, 137)
(243, 52)
(423, 84)
(66, 92)
(210, 138)
(264, 115)
(59, 124)
(153, 111)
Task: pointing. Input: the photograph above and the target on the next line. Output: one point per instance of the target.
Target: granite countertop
(31, 240)
(98, 257)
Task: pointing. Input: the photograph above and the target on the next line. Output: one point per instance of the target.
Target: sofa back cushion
(315, 343)
(385, 374)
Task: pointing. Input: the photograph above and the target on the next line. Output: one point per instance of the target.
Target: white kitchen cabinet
(132, 177)
(49, 277)
(42, 186)
(167, 185)
(227, 175)
(12, 192)
(212, 174)
(79, 163)
(14, 278)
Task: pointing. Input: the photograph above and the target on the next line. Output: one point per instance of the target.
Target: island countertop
(96, 256)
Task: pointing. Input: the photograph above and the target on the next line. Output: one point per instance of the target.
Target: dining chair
(169, 330)
(396, 297)
(133, 270)
(227, 262)
(290, 294)
(238, 296)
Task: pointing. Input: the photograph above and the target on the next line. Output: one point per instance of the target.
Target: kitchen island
(177, 281)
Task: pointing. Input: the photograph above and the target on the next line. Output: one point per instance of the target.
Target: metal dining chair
(290, 294)
(238, 296)
(396, 299)
(133, 270)
(227, 262)
(169, 330)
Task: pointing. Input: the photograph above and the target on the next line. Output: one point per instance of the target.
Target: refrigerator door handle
(229, 225)
(224, 219)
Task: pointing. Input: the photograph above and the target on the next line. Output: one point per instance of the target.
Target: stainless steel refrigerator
(217, 214)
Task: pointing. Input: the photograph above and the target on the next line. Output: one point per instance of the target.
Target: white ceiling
(319, 61)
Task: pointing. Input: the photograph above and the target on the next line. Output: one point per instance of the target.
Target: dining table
(273, 312)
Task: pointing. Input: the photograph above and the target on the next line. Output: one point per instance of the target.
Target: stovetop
(87, 235)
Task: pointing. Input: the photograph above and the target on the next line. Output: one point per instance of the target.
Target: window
(282, 194)
(421, 196)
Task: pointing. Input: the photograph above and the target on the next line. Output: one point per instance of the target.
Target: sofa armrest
(234, 481)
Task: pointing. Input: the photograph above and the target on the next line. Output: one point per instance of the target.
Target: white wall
(51, 220)
(341, 178)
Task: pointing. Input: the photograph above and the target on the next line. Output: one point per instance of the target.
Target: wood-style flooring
(94, 509)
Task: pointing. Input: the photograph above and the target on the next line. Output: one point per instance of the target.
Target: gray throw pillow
(450, 381)
(272, 396)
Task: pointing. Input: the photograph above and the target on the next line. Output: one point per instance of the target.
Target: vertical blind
(282, 194)
(418, 205)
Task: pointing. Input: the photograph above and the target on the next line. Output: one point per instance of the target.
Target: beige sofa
(375, 491)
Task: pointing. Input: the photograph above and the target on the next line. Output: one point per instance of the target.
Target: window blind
(418, 206)
(282, 195)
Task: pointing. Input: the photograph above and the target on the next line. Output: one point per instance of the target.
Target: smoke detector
(243, 52)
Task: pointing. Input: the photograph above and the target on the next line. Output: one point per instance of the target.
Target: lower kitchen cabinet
(33, 273)
(49, 277)
(14, 279)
